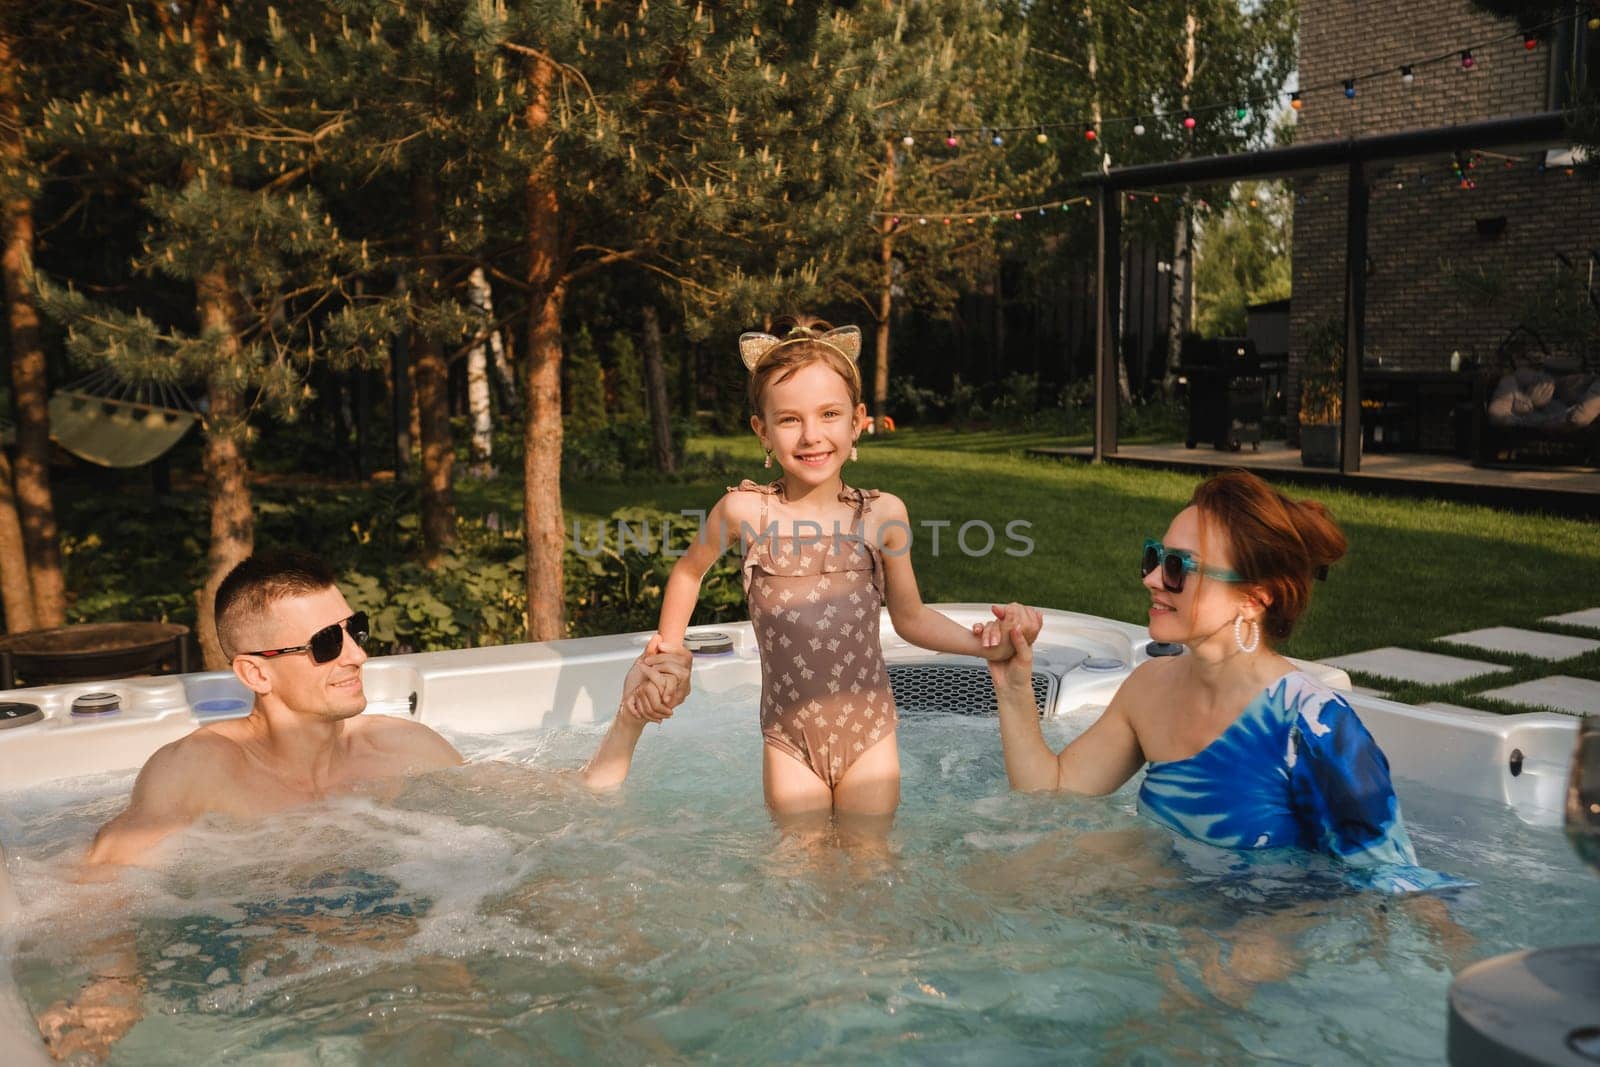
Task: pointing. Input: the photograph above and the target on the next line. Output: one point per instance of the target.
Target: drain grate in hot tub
(958, 688)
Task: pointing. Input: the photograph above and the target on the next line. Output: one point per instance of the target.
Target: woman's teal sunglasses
(1177, 564)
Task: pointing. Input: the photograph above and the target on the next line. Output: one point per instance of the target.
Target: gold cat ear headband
(846, 341)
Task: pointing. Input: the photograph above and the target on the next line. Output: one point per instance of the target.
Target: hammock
(110, 422)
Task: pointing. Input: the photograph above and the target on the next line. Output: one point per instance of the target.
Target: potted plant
(1322, 394)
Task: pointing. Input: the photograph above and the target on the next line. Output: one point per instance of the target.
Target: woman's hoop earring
(1238, 634)
(768, 463)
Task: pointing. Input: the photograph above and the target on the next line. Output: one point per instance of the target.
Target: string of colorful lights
(1462, 168)
(1462, 56)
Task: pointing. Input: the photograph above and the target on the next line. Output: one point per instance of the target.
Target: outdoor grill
(1227, 392)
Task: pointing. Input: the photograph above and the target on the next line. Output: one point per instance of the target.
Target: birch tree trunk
(482, 445)
(547, 290)
(227, 466)
(1180, 304)
(880, 365)
(432, 381)
(1124, 390)
(655, 382)
(34, 502)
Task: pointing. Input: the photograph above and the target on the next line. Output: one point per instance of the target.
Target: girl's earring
(1238, 634)
(768, 463)
(854, 455)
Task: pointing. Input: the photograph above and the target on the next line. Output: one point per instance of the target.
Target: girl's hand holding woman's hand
(995, 637)
(1014, 671)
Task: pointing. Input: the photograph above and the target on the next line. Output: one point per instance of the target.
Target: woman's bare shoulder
(1148, 688)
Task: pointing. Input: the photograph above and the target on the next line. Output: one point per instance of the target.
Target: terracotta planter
(1319, 444)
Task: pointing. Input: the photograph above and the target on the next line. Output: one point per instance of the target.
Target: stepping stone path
(1525, 642)
(1575, 696)
(1404, 665)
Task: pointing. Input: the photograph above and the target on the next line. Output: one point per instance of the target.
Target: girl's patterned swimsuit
(1297, 768)
(814, 600)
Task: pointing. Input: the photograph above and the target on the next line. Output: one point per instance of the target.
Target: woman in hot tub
(1241, 750)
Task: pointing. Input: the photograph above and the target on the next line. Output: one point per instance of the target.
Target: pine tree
(38, 59)
(635, 136)
(417, 172)
(625, 393)
(210, 118)
(1220, 61)
(939, 212)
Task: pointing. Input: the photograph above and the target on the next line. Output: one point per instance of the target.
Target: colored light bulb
(1188, 122)
(1295, 101)
(1349, 88)
(1467, 62)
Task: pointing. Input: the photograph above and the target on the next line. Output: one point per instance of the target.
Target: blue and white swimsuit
(1296, 769)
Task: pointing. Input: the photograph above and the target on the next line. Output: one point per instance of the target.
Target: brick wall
(1422, 225)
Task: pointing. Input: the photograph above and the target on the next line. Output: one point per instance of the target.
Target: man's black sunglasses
(326, 643)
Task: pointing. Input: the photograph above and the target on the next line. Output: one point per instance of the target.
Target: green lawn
(1416, 570)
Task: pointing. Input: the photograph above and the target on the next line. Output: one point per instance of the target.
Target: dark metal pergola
(1521, 134)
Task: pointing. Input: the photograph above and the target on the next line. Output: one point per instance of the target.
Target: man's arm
(665, 672)
(164, 801)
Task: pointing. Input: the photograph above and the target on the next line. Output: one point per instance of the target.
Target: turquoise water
(500, 914)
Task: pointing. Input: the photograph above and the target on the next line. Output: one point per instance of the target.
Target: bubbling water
(500, 913)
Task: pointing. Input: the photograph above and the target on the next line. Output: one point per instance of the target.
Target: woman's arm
(1106, 754)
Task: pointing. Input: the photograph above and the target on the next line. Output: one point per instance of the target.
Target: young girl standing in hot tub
(820, 559)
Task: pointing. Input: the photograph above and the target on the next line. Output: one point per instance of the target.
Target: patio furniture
(1415, 411)
(1556, 429)
(92, 650)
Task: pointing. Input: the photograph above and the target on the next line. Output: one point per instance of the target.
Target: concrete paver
(1524, 642)
(1589, 617)
(1575, 696)
(1407, 665)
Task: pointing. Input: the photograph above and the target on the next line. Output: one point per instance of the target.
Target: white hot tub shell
(1517, 760)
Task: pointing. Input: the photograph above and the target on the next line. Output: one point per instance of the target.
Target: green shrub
(614, 587)
(620, 449)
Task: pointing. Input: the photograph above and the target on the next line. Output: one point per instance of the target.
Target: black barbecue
(1227, 392)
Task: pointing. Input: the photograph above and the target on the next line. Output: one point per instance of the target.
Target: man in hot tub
(294, 641)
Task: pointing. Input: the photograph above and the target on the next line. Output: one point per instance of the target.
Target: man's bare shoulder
(192, 763)
(403, 745)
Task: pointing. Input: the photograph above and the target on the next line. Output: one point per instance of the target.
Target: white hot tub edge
(1518, 760)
